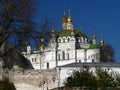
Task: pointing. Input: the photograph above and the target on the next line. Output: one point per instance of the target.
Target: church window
(91, 56)
(68, 56)
(52, 41)
(108, 69)
(47, 65)
(68, 39)
(79, 61)
(59, 40)
(33, 59)
(63, 55)
(58, 57)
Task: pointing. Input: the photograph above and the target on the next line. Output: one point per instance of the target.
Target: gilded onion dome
(69, 19)
(72, 30)
(53, 32)
(64, 19)
(101, 42)
(94, 37)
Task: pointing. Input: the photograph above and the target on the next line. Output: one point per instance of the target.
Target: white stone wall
(93, 55)
(80, 55)
(64, 62)
(34, 79)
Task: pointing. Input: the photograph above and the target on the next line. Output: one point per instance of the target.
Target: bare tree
(46, 28)
(16, 24)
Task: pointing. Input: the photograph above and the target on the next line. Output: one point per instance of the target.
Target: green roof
(65, 33)
(94, 46)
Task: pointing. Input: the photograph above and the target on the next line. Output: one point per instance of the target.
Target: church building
(67, 46)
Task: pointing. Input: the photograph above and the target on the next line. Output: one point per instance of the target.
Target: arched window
(79, 61)
(33, 59)
(59, 40)
(63, 53)
(47, 64)
(68, 39)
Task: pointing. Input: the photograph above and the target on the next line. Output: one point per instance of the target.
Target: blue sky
(101, 15)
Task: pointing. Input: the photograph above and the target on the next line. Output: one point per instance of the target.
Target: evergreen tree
(82, 77)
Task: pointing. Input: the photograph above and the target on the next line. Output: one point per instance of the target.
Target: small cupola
(53, 33)
(64, 21)
(101, 41)
(69, 22)
(69, 19)
(94, 38)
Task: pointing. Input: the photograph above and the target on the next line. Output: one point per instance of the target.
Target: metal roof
(92, 64)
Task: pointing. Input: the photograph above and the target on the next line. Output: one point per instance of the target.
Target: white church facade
(65, 47)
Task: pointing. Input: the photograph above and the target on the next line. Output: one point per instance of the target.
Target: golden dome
(53, 31)
(101, 42)
(94, 37)
(69, 19)
(72, 30)
(64, 19)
